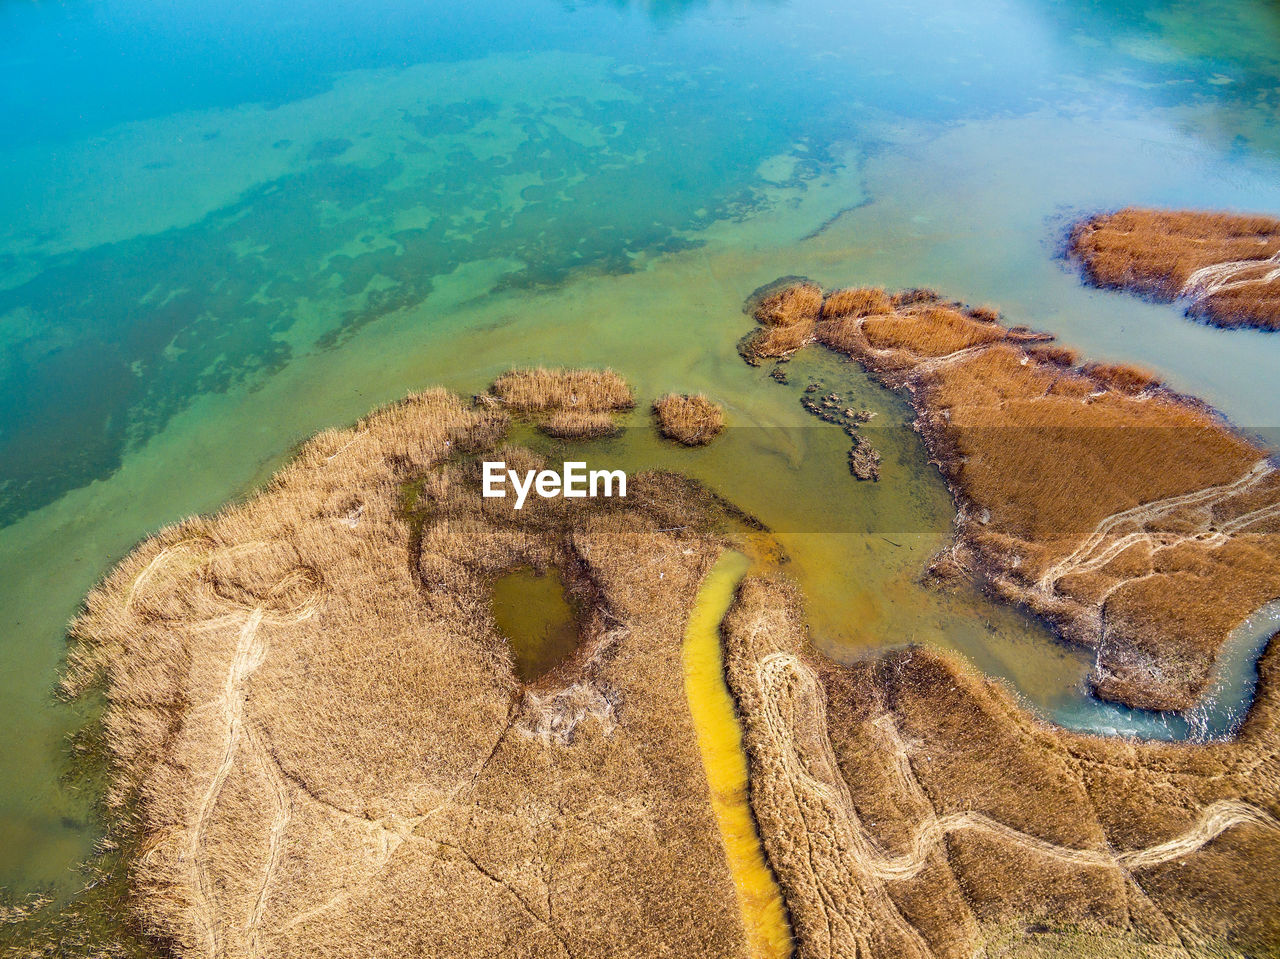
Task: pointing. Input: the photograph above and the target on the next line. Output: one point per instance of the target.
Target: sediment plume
(1225, 266)
(321, 732)
(911, 808)
(691, 420)
(1135, 521)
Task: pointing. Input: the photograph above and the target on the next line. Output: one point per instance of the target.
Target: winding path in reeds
(764, 914)
(1231, 275)
(248, 654)
(785, 683)
(1129, 527)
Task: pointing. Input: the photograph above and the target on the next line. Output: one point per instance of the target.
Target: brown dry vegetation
(930, 331)
(572, 404)
(911, 809)
(329, 751)
(1057, 355)
(1134, 520)
(574, 425)
(802, 301)
(856, 301)
(1122, 377)
(691, 420)
(1228, 265)
(788, 321)
(776, 342)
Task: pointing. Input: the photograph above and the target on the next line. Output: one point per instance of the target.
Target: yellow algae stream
(725, 762)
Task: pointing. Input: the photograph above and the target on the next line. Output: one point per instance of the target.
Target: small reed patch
(691, 420)
(566, 403)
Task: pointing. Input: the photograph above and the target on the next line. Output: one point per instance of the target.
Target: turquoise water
(225, 226)
(1220, 711)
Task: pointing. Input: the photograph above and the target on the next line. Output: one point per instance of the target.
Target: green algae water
(533, 613)
(225, 227)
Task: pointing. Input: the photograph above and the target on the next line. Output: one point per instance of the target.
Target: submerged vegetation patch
(533, 612)
(100, 348)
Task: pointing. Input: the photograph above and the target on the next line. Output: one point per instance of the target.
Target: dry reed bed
(911, 808)
(327, 745)
(691, 420)
(573, 404)
(788, 318)
(1227, 266)
(1136, 521)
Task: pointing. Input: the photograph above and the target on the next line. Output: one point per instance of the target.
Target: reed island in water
(1225, 266)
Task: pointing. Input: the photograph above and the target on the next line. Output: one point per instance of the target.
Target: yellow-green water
(533, 613)
(764, 917)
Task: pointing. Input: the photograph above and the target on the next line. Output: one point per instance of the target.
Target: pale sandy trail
(282, 813)
(248, 655)
(832, 830)
(783, 678)
(916, 367)
(237, 737)
(1216, 277)
(1215, 819)
(159, 560)
(1105, 543)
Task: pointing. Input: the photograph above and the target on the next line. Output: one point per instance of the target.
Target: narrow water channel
(1216, 717)
(723, 758)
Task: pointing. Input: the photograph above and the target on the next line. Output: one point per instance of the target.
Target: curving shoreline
(1219, 713)
(1225, 267)
(1132, 519)
(276, 674)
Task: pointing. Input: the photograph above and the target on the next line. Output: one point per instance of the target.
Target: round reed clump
(691, 420)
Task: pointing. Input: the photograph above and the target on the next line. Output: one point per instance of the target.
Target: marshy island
(1134, 520)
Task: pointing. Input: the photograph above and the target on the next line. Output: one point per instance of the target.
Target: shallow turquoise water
(223, 227)
(1220, 711)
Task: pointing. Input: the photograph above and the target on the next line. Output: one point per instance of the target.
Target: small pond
(533, 612)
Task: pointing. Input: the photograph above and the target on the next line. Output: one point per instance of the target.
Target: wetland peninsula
(331, 747)
(370, 708)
